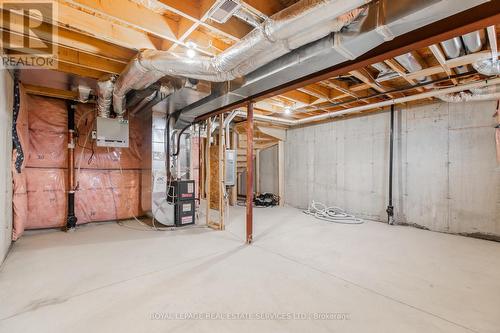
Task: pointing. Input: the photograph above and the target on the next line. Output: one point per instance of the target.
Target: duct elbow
(488, 67)
(489, 93)
(105, 87)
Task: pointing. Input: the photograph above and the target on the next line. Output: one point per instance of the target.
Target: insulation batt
(19, 195)
(40, 191)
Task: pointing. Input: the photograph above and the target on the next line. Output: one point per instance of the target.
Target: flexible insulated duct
(105, 87)
(295, 26)
(491, 93)
(487, 67)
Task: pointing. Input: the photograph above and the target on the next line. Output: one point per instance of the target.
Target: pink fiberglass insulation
(19, 195)
(108, 182)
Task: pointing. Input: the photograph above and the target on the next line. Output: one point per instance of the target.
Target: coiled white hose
(331, 214)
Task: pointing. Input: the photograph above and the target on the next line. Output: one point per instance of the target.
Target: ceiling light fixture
(191, 51)
(288, 109)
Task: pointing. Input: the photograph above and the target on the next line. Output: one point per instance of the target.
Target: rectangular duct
(224, 10)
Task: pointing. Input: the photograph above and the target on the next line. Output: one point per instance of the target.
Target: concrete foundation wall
(6, 99)
(268, 159)
(446, 176)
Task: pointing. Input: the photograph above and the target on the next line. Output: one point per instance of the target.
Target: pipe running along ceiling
(305, 38)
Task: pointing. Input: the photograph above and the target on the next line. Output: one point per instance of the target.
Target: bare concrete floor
(109, 278)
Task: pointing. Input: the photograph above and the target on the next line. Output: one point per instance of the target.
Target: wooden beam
(69, 68)
(395, 66)
(51, 92)
(88, 24)
(71, 56)
(222, 168)
(207, 173)
(299, 97)
(249, 204)
(186, 8)
(492, 38)
(364, 77)
(266, 7)
(131, 14)
(438, 54)
(72, 40)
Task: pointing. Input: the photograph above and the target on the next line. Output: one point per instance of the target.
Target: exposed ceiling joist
(88, 24)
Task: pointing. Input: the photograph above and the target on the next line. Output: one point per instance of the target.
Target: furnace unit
(181, 195)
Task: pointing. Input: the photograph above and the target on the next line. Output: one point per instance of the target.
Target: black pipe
(390, 207)
(179, 140)
(71, 219)
(199, 163)
(137, 96)
(167, 143)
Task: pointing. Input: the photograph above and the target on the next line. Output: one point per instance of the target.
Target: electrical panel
(231, 157)
(112, 132)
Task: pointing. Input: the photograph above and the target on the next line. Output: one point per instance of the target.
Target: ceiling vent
(223, 10)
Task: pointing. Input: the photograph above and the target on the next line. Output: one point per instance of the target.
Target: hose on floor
(331, 214)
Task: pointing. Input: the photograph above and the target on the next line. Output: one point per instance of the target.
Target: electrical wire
(331, 214)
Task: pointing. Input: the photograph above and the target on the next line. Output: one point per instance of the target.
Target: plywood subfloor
(106, 278)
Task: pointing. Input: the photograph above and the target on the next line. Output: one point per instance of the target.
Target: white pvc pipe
(334, 114)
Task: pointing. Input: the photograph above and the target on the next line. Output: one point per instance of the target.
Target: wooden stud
(222, 184)
(207, 166)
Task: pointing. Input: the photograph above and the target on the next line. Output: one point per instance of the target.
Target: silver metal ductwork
(248, 17)
(453, 47)
(295, 26)
(410, 63)
(105, 87)
(474, 41)
(385, 72)
(400, 17)
(487, 67)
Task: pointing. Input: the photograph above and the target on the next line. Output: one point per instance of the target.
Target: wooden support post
(207, 173)
(257, 171)
(281, 172)
(202, 169)
(249, 215)
(234, 189)
(222, 183)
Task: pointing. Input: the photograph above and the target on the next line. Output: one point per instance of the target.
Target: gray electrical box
(112, 132)
(231, 157)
